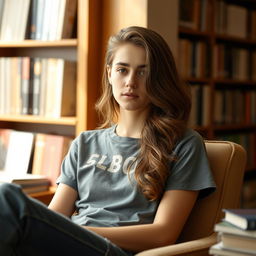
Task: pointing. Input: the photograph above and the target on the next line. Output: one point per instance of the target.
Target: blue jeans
(28, 227)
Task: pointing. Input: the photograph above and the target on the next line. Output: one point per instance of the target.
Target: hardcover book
(242, 218)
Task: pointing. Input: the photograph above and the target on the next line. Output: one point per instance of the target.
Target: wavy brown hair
(169, 107)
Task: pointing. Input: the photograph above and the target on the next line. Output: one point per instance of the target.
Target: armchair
(227, 161)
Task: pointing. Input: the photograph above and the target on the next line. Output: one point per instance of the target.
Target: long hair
(169, 107)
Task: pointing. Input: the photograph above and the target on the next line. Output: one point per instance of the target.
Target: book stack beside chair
(236, 233)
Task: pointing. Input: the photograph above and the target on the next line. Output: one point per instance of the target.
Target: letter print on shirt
(116, 164)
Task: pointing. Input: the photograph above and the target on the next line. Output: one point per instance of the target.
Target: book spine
(36, 86)
(33, 14)
(25, 85)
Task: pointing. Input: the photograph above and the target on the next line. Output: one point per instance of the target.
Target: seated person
(133, 181)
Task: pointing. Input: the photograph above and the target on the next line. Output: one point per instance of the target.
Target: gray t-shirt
(96, 166)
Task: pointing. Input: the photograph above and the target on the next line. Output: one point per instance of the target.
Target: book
(22, 20)
(237, 21)
(25, 180)
(19, 153)
(67, 22)
(1, 12)
(36, 86)
(15, 101)
(4, 142)
(35, 189)
(32, 19)
(48, 155)
(14, 20)
(25, 79)
(29, 183)
(61, 90)
(7, 22)
(38, 153)
(242, 218)
(189, 12)
(238, 243)
(225, 227)
(218, 249)
(39, 19)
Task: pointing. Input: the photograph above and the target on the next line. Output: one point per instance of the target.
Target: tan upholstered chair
(227, 161)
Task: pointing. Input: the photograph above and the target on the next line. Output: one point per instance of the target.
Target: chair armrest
(196, 247)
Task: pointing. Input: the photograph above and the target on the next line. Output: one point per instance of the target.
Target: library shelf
(232, 82)
(198, 80)
(38, 119)
(234, 39)
(39, 43)
(234, 127)
(224, 45)
(194, 32)
(80, 48)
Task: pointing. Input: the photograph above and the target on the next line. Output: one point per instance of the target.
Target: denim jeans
(28, 227)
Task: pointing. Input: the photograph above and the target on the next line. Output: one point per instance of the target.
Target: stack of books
(236, 233)
(28, 182)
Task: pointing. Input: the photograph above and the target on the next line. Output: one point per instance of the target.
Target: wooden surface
(45, 197)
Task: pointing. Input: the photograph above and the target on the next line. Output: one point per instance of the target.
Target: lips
(130, 94)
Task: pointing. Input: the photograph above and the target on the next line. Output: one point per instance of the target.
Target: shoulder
(190, 140)
(86, 136)
(90, 137)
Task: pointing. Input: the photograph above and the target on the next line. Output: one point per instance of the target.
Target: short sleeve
(191, 170)
(69, 167)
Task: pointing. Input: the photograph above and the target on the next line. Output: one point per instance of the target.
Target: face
(127, 76)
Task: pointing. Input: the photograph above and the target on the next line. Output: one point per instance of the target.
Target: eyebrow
(128, 65)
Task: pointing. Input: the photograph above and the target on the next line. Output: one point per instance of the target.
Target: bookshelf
(227, 27)
(80, 54)
(80, 49)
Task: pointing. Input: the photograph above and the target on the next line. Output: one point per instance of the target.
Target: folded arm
(170, 218)
(171, 215)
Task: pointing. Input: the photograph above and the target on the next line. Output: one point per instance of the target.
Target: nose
(131, 80)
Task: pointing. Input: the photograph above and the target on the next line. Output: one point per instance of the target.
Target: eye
(121, 70)
(141, 72)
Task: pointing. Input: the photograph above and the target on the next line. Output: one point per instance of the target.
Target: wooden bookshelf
(226, 81)
(80, 49)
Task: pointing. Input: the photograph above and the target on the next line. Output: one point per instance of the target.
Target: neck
(130, 124)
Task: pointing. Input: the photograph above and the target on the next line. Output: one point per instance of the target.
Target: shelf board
(38, 43)
(234, 39)
(193, 32)
(233, 82)
(234, 127)
(199, 80)
(70, 121)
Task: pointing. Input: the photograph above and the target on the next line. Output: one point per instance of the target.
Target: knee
(11, 197)
(9, 189)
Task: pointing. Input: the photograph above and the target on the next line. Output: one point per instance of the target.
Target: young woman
(133, 182)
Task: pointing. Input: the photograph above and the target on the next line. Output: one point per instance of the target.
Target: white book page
(19, 153)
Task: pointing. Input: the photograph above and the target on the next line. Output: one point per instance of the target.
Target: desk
(45, 196)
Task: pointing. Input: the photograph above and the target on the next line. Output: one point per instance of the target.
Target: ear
(109, 73)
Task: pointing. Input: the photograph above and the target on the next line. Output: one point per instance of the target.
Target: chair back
(227, 161)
